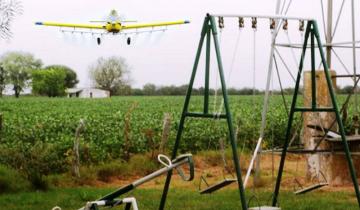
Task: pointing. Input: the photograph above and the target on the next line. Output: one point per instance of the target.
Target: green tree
(48, 82)
(348, 89)
(70, 75)
(18, 67)
(110, 73)
(149, 89)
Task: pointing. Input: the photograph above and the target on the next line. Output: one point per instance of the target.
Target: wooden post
(333, 166)
(76, 160)
(165, 132)
(317, 163)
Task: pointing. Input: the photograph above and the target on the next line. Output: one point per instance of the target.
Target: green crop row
(119, 126)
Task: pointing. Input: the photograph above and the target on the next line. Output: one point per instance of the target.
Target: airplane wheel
(128, 41)
(98, 41)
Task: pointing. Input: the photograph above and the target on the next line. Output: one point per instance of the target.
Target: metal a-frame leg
(184, 112)
(229, 120)
(208, 27)
(312, 29)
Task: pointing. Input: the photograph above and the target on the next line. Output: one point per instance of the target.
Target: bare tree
(110, 73)
(8, 10)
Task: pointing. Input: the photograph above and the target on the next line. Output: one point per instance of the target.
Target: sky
(166, 58)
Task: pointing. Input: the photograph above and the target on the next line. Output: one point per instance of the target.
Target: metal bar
(288, 7)
(337, 45)
(131, 202)
(132, 186)
(283, 6)
(277, 8)
(345, 47)
(338, 118)
(284, 63)
(291, 116)
(159, 172)
(203, 115)
(300, 47)
(318, 109)
(344, 75)
(317, 151)
(329, 32)
(342, 63)
(323, 17)
(337, 20)
(313, 76)
(262, 16)
(354, 54)
(304, 151)
(228, 113)
(348, 42)
(292, 49)
(265, 106)
(281, 87)
(207, 70)
(184, 111)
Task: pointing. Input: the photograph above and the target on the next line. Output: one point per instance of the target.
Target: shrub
(11, 180)
(141, 165)
(113, 169)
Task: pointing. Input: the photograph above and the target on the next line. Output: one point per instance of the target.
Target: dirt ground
(295, 168)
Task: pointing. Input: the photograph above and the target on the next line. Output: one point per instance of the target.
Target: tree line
(172, 90)
(22, 70)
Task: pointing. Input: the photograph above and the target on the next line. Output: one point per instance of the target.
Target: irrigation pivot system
(209, 29)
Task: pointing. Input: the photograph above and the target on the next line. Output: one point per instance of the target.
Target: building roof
(78, 90)
(74, 90)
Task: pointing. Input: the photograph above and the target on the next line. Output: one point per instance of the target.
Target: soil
(295, 168)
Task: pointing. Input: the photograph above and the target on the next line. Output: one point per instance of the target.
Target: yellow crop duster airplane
(114, 25)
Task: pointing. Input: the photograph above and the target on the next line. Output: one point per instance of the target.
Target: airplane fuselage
(113, 27)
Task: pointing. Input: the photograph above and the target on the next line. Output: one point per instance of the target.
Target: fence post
(165, 132)
(76, 160)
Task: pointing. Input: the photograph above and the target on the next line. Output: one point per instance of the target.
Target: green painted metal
(291, 117)
(184, 111)
(315, 109)
(313, 76)
(208, 27)
(312, 30)
(228, 113)
(203, 115)
(207, 70)
(338, 118)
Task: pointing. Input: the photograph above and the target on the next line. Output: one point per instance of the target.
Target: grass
(228, 199)
(183, 195)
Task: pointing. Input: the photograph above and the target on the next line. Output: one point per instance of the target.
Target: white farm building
(87, 93)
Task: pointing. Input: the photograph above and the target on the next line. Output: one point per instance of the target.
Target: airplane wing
(155, 24)
(118, 28)
(70, 25)
(115, 28)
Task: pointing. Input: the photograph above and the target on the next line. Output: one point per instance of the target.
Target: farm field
(136, 122)
(37, 137)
